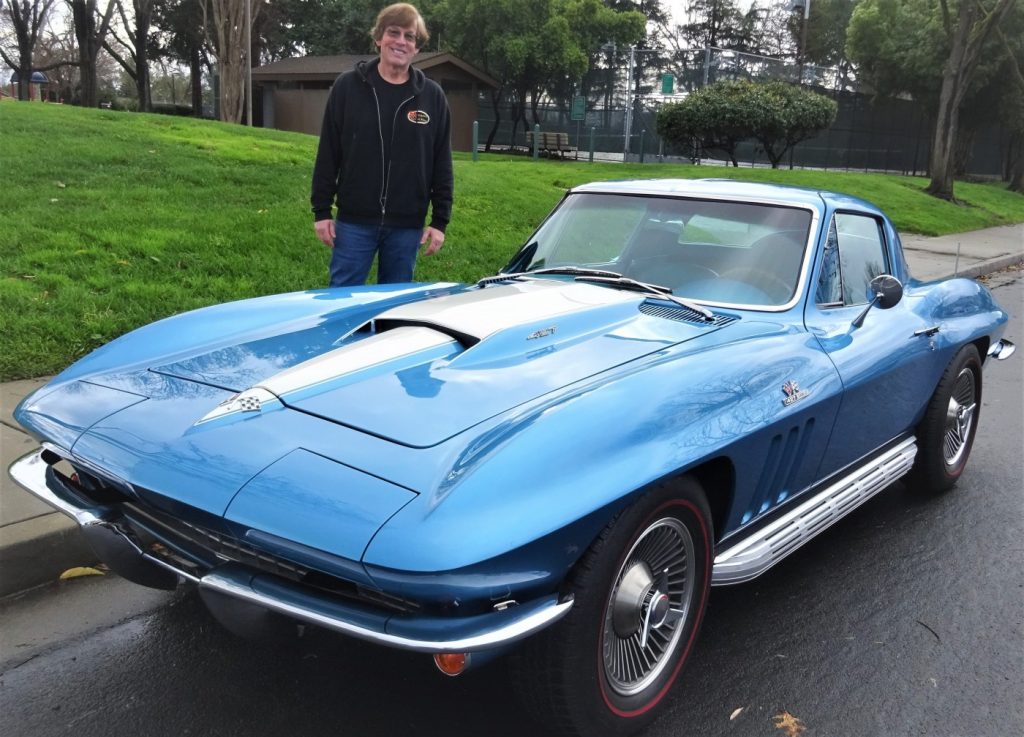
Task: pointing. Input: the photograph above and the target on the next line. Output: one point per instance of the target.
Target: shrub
(777, 114)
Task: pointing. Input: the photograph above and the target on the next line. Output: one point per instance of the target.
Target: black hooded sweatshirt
(351, 170)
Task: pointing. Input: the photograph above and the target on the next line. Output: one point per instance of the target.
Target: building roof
(37, 78)
(329, 67)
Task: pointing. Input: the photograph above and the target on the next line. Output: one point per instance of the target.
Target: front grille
(197, 548)
(684, 314)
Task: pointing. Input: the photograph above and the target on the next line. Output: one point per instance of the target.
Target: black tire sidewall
(594, 704)
(930, 469)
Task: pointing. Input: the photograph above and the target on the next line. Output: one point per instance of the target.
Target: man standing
(384, 155)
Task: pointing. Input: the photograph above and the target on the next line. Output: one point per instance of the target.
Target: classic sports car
(672, 385)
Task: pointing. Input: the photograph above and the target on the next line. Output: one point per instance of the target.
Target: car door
(883, 363)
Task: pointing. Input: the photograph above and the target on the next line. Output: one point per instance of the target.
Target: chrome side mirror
(888, 292)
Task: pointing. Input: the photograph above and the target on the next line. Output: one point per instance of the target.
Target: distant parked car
(672, 385)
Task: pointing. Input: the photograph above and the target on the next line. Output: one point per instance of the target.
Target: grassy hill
(111, 220)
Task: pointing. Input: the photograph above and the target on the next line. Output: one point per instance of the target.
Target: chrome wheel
(959, 417)
(648, 606)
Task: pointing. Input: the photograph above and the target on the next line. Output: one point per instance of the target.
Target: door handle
(929, 332)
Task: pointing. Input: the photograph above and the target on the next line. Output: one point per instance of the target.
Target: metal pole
(642, 133)
(629, 104)
(536, 141)
(592, 129)
(476, 138)
(248, 62)
(803, 39)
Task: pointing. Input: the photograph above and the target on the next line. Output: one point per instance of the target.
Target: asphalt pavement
(37, 543)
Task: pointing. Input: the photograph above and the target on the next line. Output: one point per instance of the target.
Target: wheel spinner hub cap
(959, 417)
(647, 607)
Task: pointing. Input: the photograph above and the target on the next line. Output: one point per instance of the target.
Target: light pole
(806, 6)
(628, 125)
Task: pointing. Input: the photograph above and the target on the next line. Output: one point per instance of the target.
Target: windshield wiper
(566, 270)
(655, 290)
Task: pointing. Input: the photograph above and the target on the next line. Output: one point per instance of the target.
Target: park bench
(552, 143)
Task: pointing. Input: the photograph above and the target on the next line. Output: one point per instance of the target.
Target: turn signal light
(451, 664)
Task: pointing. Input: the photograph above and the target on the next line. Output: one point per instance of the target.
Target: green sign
(667, 84)
(579, 107)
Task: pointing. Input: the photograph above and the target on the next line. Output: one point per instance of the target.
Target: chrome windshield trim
(805, 265)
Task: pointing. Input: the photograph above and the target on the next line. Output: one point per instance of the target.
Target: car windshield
(717, 252)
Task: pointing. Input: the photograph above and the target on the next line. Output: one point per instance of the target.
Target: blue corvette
(672, 385)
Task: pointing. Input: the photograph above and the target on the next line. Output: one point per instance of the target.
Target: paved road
(904, 619)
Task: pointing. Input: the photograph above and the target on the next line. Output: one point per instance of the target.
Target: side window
(854, 255)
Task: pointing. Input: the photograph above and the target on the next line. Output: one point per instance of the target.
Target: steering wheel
(773, 285)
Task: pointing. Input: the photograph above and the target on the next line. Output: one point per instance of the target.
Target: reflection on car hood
(421, 372)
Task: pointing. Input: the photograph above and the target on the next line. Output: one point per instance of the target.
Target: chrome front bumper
(1001, 350)
(113, 544)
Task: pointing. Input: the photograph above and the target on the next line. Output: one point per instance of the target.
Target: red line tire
(640, 593)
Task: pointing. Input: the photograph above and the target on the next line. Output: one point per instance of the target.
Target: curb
(37, 551)
(992, 265)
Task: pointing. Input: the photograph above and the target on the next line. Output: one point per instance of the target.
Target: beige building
(294, 91)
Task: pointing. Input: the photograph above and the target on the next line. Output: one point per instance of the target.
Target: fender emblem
(793, 393)
(543, 333)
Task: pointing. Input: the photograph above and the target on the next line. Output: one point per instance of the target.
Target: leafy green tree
(322, 27)
(181, 24)
(941, 54)
(716, 117)
(777, 114)
(785, 114)
(531, 46)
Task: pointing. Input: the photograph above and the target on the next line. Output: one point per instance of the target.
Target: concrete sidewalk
(37, 543)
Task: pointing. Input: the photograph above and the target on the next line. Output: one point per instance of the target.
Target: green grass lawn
(111, 220)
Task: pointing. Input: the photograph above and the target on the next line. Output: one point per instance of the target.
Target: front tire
(946, 434)
(640, 593)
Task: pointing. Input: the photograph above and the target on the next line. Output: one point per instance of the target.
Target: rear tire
(950, 422)
(640, 592)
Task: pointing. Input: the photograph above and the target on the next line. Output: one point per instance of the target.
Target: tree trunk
(1015, 161)
(496, 106)
(968, 38)
(195, 68)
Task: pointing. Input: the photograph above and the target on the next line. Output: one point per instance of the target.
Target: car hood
(424, 371)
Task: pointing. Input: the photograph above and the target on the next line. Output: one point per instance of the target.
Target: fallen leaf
(28, 276)
(54, 199)
(61, 185)
(789, 724)
(736, 713)
(123, 262)
(152, 150)
(79, 572)
(155, 259)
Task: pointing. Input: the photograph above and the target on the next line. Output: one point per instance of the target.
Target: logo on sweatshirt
(418, 116)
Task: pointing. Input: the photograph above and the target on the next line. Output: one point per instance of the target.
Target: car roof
(726, 188)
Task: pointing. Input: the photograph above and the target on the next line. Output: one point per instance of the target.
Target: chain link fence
(879, 135)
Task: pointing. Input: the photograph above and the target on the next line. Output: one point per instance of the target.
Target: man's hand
(433, 238)
(325, 232)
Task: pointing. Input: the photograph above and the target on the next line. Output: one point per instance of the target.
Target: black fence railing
(883, 134)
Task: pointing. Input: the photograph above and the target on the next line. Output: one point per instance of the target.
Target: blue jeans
(356, 244)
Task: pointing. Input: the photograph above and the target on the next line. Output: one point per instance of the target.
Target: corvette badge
(418, 116)
(793, 393)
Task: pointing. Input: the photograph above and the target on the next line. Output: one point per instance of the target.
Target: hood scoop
(422, 372)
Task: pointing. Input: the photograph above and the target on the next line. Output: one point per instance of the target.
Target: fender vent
(683, 314)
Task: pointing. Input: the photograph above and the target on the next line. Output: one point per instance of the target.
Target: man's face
(398, 45)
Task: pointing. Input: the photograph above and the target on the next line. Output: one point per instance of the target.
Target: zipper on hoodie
(387, 172)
